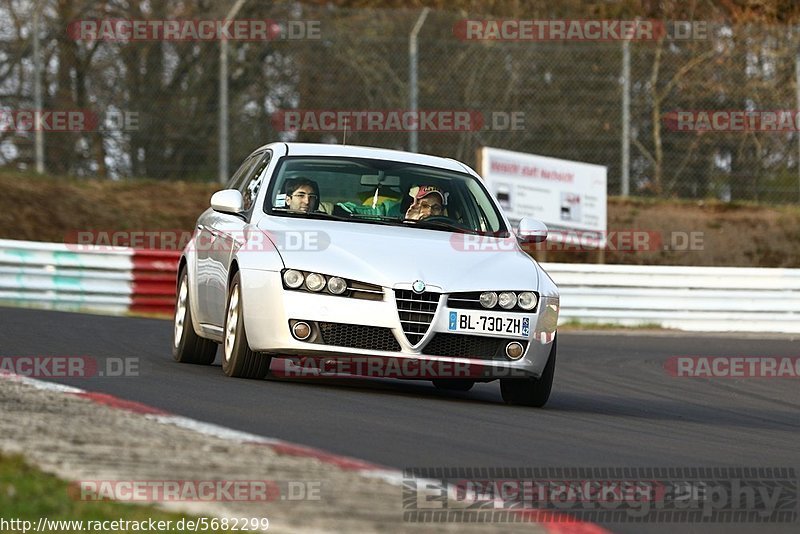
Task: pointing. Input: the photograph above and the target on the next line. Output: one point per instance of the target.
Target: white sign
(568, 196)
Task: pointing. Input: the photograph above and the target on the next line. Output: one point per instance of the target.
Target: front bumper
(353, 329)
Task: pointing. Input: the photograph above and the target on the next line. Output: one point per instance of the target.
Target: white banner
(565, 195)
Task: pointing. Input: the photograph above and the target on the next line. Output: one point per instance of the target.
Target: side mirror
(531, 230)
(228, 201)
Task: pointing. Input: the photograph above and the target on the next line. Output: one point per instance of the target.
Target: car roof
(322, 149)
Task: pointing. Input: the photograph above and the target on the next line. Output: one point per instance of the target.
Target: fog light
(514, 350)
(337, 285)
(301, 331)
(527, 300)
(488, 299)
(293, 279)
(507, 300)
(315, 282)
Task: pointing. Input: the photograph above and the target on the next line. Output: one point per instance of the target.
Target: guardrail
(712, 299)
(118, 280)
(86, 278)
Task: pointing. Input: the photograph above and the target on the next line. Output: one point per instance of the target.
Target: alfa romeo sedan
(325, 260)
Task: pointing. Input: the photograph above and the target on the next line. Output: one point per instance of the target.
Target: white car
(325, 256)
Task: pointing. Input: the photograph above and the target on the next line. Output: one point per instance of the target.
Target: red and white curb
(557, 523)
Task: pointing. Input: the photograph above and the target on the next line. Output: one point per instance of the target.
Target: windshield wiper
(309, 215)
(439, 225)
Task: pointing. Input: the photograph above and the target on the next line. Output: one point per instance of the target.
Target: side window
(252, 182)
(242, 172)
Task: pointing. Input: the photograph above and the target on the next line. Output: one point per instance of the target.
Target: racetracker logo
(395, 120)
(197, 490)
(782, 120)
(577, 30)
(636, 241)
(641, 495)
(68, 366)
(385, 367)
(199, 241)
(126, 30)
(69, 120)
(733, 366)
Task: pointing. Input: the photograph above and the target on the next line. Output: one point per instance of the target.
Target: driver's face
(302, 198)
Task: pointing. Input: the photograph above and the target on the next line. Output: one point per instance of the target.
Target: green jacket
(387, 208)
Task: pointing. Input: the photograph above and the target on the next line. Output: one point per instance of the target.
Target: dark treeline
(568, 92)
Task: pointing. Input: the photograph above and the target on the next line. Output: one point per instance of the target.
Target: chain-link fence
(156, 103)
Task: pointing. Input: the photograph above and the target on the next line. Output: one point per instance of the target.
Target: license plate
(489, 324)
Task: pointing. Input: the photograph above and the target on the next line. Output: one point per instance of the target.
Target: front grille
(416, 312)
(358, 337)
(466, 346)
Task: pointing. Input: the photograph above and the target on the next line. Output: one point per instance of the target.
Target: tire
(187, 346)
(237, 359)
(531, 391)
(453, 384)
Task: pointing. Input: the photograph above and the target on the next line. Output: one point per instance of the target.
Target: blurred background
(571, 93)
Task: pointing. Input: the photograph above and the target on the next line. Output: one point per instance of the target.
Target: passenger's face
(425, 207)
(302, 198)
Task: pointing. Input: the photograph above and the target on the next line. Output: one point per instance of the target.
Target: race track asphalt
(613, 403)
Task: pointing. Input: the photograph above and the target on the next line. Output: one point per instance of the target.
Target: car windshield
(382, 192)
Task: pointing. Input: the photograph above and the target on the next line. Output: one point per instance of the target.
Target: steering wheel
(448, 220)
(439, 218)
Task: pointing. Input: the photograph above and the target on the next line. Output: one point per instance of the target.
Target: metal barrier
(118, 280)
(713, 299)
(86, 278)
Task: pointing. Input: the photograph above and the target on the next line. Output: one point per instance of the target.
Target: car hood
(390, 255)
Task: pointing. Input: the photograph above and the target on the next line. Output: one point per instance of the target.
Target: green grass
(575, 324)
(26, 493)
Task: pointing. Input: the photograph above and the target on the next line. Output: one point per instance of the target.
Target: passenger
(302, 194)
(428, 201)
(425, 201)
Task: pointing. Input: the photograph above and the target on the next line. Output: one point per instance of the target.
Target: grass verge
(28, 494)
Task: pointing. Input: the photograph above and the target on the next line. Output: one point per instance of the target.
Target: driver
(302, 194)
(429, 201)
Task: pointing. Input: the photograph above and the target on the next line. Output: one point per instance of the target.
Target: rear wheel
(187, 346)
(531, 391)
(238, 360)
(453, 384)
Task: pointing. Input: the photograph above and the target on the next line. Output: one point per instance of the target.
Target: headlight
(527, 300)
(293, 279)
(488, 299)
(337, 285)
(315, 282)
(507, 300)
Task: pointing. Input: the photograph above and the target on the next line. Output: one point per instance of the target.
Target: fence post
(224, 141)
(626, 117)
(797, 91)
(37, 89)
(413, 90)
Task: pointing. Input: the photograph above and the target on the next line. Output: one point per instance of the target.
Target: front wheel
(238, 360)
(187, 346)
(531, 391)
